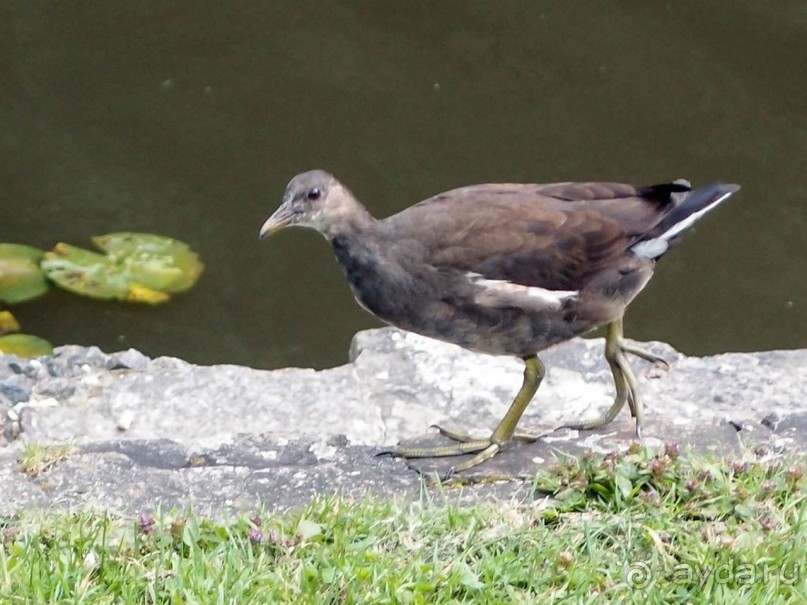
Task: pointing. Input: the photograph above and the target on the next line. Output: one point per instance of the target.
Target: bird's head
(313, 199)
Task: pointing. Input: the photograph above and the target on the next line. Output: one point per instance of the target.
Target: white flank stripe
(500, 292)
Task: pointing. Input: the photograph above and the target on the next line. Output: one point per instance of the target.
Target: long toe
(459, 449)
(645, 354)
(529, 437)
(460, 436)
(588, 425)
(486, 454)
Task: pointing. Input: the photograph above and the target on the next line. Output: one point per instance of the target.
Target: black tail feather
(695, 202)
(688, 208)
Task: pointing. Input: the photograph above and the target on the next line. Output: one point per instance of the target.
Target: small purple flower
(672, 449)
(146, 524)
(795, 473)
(255, 536)
(739, 467)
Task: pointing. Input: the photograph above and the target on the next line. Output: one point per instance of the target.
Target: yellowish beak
(279, 220)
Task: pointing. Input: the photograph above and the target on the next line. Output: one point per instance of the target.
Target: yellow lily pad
(8, 323)
(140, 293)
(24, 345)
(21, 277)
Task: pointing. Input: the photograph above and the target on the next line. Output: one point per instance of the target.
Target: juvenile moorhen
(505, 269)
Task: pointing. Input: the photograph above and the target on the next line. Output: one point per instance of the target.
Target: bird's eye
(313, 193)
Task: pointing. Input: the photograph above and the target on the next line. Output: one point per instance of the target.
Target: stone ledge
(166, 433)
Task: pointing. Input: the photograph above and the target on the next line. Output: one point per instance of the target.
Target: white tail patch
(653, 248)
(502, 293)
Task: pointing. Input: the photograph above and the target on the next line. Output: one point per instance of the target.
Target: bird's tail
(689, 208)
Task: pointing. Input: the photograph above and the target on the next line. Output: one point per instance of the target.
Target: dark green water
(188, 119)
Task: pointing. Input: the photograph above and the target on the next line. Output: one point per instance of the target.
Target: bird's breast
(375, 283)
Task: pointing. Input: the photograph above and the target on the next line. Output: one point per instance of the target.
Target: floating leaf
(85, 272)
(153, 261)
(24, 345)
(21, 251)
(137, 267)
(8, 323)
(21, 277)
(138, 293)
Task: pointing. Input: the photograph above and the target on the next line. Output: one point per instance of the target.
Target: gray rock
(162, 432)
(10, 365)
(131, 359)
(13, 391)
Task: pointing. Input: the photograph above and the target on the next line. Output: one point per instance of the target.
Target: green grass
(37, 459)
(633, 528)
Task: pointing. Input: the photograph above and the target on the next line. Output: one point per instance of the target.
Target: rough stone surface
(164, 433)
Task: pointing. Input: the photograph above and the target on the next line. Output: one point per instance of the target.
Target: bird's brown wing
(549, 236)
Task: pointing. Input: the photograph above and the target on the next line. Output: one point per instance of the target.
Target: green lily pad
(153, 261)
(21, 277)
(137, 267)
(24, 345)
(85, 272)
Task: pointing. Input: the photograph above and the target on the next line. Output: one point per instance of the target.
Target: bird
(505, 269)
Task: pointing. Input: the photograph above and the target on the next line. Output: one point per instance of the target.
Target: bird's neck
(350, 220)
(355, 237)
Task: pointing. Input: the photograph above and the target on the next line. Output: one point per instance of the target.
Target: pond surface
(188, 119)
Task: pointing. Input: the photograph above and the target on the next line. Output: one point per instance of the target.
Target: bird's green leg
(624, 379)
(486, 448)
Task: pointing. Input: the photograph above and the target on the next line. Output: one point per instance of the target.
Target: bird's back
(553, 236)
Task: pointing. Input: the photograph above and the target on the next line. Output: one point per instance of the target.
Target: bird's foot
(624, 380)
(483, 448)
(656, 360)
